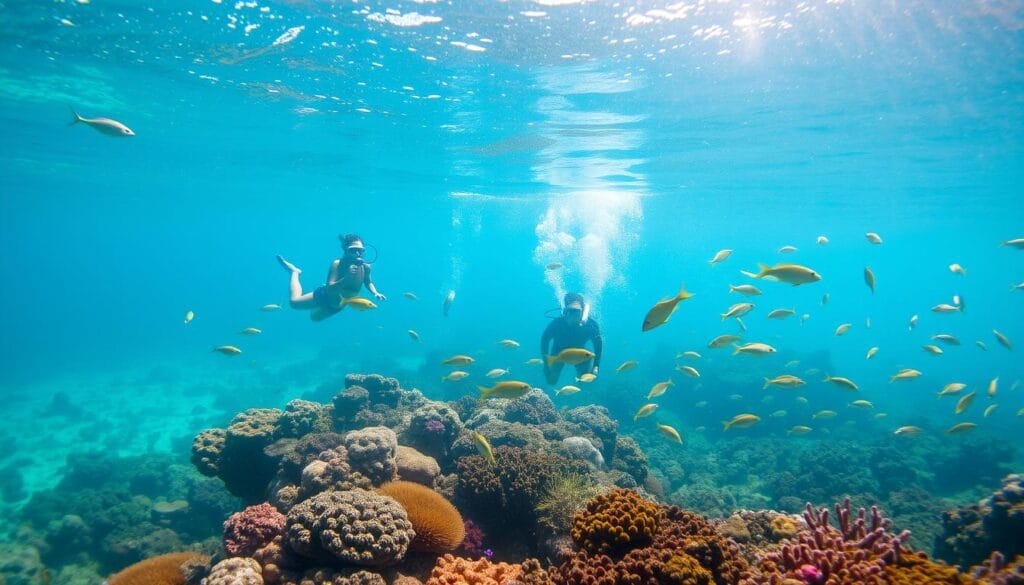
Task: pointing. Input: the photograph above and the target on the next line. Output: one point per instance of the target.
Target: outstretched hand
(380, 296)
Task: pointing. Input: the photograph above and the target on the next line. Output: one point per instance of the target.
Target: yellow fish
(822, 241)
(912, 323)
(932, 349)
(784, 381)
(871, 353)
(671, 433)
(645, 410)
(757, 349)
(455, 376)
(189, 316)
(357, 303)
(824, 414)
(787, 249)
(738, 310)
(458, 360)
(567, 390)
(989, 410)
(1003, 340)
(483, 446)
(411, 296)
(778, 413)
(720, 256)
(862, 404)
(952, 388)
(496, 373)
(801, 400)
(509, 343)
(571, 355)
(881, 415)
(781, 313)
(961, 428)
(873, 238)
(658, 314)
(250, 331)
(965, 402)
(415, 336)
(945, 308)
(747, 290)
(907, 431)
(843, 382)
(905, 374)
(586, 378)
(981, 345)
(659, 389)
(869, 278)
(741, 421)
(227, 350)
(534, 362)
(842, 329)
(1014, 243)
(511, 389)
(993, 387)
(689, 371)
(957, 269)
(689, 354)
(270, 308)
(793, 274)
(722, 341)
(799, 430)
(626, 366)
(946, 338)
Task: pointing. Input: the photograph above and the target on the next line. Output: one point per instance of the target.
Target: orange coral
(452, 570)
(161, 570)
(437, 523)
(915, 568)
(616, 521)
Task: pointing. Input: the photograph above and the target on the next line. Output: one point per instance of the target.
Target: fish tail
(736, 349)
(827, 378)
(767, 383)
(724, 316)
(725, 425)
(762, 270)
(76, 119)
(551, 359)
(683, 294)
(484, 391)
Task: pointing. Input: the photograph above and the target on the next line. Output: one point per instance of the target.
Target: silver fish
(448, 300)
(104, 125)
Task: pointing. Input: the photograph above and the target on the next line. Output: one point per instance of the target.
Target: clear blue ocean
(474, 145)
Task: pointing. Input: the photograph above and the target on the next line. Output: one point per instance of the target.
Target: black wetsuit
(560, 334)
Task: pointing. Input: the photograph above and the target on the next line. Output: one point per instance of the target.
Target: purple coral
(434, 427)
(251, 529)
(473, 543)
(860, 548)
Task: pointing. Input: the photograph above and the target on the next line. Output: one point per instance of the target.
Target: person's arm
(546, 338)
(369, 284)
(598, 345)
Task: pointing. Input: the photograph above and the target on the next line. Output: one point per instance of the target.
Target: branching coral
(564, 495)
(251, 529)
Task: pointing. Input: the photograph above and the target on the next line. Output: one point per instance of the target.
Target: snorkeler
(345, 279)
(573, 328)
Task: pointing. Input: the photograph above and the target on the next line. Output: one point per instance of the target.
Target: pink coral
(251, 529)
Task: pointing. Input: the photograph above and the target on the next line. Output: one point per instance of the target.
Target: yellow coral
(783, 527)
(916, 568)
(161, 570)
(437, 523)
(686, 570)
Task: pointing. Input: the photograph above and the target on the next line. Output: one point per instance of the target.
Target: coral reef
(998, 572)
(235, 571)
(330, 471)
(618, 520)
(357, 527)
(160, 570)
(252, 529)
(996, 523)
(438, 525)
(451, 570)
(415, 466)
(564, 495)
(371, 452)
(302, 417)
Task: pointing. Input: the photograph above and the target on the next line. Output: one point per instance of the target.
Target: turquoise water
(471, 146)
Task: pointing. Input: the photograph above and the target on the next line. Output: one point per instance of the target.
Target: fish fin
(736, 349)
(683, 294)
(75, 114)
(762, 270)
(484, 391)
(827, 378)
(725, 425)
(724, 316)
(766, 384)
(551, 359)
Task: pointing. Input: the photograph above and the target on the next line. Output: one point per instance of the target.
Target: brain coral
(616, 521)
(452, 570)
(161, 570)
(251, 529)
(330, 471)
(371, 451)
(335, 577)
(235, 571)
(357, 526)
(437, 523)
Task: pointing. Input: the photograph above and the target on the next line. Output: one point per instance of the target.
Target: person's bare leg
(297, 299)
